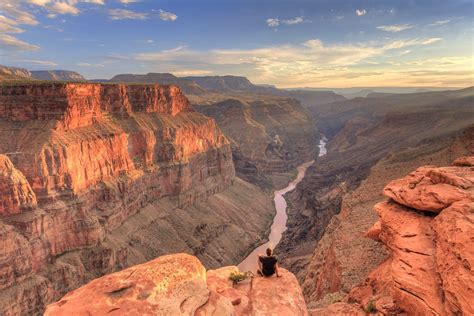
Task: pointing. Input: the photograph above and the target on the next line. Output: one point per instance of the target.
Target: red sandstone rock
(464, 161)
(169, 285)
(277, 296)
(429, 271)
(177, 285)
(15, 191)
(374, 231)
(454, 233)
(338, 309)
(86, 157)
(430, 188)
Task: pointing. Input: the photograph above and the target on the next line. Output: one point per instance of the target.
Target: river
(280, 219)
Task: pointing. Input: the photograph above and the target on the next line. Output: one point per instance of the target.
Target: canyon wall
(98, 177)
(331, 209)
(270, 136)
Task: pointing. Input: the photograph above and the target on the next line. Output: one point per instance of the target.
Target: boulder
(169, 285)
(430, 188)
(429, 269)
(179, 285)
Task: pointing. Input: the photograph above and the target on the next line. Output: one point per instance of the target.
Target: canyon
(426, 226)
(99, 177)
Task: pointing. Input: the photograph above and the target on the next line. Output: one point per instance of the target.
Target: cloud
(123, 14)
(54, 7)
(37, 62)
(9, 26)
(167, 16)
(269, 64)
(40, 3)
(310, 63)
(15, 13)
(274, 22)
(412, 42)
(128, 1)
(439, 22)
(90, 65)
(12, 43)
(190, 72)
(361, 12)
(395, 28)
(63, 8)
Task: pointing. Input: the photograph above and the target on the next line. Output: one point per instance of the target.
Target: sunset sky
(290, 43)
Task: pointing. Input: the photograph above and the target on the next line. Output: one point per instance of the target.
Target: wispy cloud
(128, 1)
(395, 28)
(55, 7)
(12, 43)
(439, 22)
(361, 12)
(37, 62)
(90, 65)
(412, 42)
(124, 14)
(167, 16)
(274, 22)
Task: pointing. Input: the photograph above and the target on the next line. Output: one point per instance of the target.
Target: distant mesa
(14, 73)
(57, 75)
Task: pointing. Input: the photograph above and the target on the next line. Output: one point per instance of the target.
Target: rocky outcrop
(179, 285)
(430, 252)
(428, 270)
(98, 177)
(429, 267)
(15, 191)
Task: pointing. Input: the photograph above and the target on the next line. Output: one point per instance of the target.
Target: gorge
(100, 177)
(279, 224)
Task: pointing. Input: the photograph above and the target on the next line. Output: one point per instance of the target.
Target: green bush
(370, 308)
(237, 277)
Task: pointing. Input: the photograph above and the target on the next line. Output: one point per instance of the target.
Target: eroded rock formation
(179, 285)
(428, 228)
(95, 178)
(431, 250)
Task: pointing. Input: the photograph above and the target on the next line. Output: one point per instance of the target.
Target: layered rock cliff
(270, 136)
(179, 284)
(99, 177)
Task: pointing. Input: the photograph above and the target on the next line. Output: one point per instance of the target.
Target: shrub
(370, 308)
(237, 277)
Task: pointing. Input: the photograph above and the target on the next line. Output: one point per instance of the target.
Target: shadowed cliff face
(82, 161)
(269, 135)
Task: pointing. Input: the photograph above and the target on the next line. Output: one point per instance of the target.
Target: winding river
(280, 219)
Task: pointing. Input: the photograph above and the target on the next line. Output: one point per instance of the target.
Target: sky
(291, 43)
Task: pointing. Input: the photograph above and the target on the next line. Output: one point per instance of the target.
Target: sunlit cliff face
(80, 159)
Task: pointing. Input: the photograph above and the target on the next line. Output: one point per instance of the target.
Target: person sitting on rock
(268, 265)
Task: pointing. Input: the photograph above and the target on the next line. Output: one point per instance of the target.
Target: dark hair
(269, 252)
